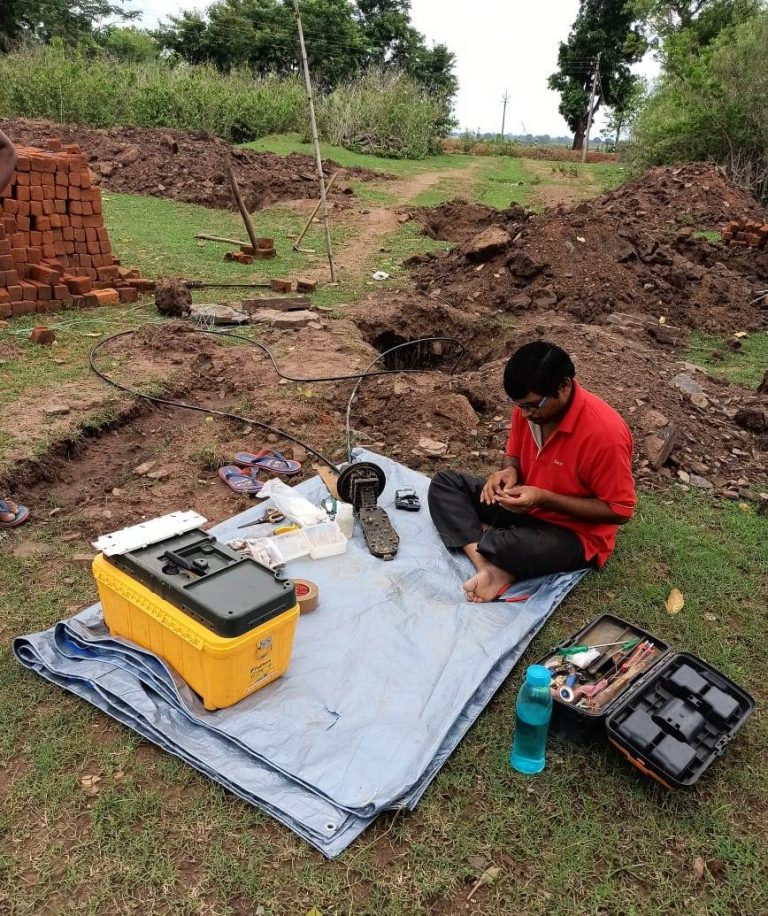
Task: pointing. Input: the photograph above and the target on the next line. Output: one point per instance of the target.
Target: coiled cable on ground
(358, 377)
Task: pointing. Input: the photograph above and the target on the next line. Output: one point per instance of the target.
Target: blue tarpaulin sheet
(386, 678)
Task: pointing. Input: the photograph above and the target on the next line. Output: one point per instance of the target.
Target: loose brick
(78, 286)
(128, 294)
(44, 274)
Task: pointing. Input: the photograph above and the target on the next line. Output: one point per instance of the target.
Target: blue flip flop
(268, 460)
(239, 480)
(21, 514)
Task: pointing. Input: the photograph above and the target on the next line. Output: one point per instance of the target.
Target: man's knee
(444, 481)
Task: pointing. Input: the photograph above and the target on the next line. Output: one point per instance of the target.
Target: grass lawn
(157, 837)
(745, 366)
(158, 237)
(293, 143)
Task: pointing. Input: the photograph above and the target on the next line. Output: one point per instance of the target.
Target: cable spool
(307, 595)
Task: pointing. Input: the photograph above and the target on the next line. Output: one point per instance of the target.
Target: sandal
(20, 514)
(240, 481)
(268, 460)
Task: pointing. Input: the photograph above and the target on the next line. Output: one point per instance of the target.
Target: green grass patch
(158, 237)
(48, 368)
(607, 175)
(283, 144)
(588, 832)
(502, 181)
(745, 366)
(711, 235)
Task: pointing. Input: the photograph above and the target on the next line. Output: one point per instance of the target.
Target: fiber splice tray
(672, 722)
(223, 622)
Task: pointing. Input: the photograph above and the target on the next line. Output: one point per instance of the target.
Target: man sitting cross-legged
(564, 487)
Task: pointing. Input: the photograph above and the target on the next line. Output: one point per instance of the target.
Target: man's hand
(498, 484)
(522, 499)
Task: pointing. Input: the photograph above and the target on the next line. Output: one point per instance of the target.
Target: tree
(128, 43)
(622, 117)
(43, 20)
(606, 27)
(342, 38)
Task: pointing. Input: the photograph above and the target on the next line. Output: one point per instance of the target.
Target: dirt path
(369, 225)
(561, 183)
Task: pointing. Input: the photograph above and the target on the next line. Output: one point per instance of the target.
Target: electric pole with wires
(316, 143)
(505, 99)
(590, 110)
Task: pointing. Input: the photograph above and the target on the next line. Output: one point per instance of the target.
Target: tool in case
(671, 714)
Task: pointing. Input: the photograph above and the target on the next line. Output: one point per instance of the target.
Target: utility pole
(316, 142)
(595, 81)
(505, 99)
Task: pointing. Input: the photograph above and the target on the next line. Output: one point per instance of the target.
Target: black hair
(540, 367)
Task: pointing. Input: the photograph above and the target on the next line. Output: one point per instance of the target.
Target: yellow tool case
(223, 622)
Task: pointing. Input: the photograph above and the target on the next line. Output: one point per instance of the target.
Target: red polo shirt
(589, 454)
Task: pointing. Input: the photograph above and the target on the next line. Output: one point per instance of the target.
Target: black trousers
(524, 546)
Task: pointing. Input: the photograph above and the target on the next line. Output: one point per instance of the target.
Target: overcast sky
(500, 45)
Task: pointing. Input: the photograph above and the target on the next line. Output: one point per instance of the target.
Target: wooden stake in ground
(316, 142)
(241, 205)
(305, 230)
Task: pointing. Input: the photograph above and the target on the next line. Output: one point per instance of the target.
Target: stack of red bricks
(746, 233)
(54, 247)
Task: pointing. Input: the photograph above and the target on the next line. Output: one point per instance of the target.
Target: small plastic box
(325, 540)
(292, 545)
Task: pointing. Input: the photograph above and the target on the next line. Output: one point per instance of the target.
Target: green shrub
(384, 114)
(101, 91)
(714, 106)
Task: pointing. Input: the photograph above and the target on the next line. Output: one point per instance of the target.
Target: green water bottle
(533, 710)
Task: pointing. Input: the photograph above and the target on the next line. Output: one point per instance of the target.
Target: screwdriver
(623, 646)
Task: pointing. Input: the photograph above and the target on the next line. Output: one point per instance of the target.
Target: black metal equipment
(407, 499)
(361, 485)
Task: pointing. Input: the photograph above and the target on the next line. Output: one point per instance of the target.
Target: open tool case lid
(672, 721)
(226, 592)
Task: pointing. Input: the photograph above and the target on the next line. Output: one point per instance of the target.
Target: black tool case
(226, 592)
(672, 721)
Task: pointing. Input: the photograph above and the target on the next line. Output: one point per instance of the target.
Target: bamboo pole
(305, 230)
(316, 142)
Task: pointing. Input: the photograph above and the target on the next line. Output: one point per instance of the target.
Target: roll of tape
(307, 595)
(567, 695)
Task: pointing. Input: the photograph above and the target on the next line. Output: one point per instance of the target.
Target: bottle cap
(538, 676)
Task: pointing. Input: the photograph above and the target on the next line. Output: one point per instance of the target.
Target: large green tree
(606, 28)
(342, 39)
(43, 20)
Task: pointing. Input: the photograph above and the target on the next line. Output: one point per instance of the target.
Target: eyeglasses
(532, 408)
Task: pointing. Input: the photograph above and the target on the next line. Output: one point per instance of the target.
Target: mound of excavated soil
(187, 166)
(720, 431)
(635, 250)
(458, 220)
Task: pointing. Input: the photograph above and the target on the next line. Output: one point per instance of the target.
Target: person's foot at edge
(487, 584)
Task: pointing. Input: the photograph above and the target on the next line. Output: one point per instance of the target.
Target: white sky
(500, 45)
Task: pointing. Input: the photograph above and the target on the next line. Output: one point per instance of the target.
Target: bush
(714, 106)
(384, 114)
(101, 91)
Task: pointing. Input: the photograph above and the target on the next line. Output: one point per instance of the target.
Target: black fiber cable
(358, 376)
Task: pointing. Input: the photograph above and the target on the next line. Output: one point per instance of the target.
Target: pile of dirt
(638, 250)
(459, 220)
(716, 434)
(187, 166)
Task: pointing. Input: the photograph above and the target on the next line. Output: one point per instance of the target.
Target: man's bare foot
(486, 584)
(11, 515)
